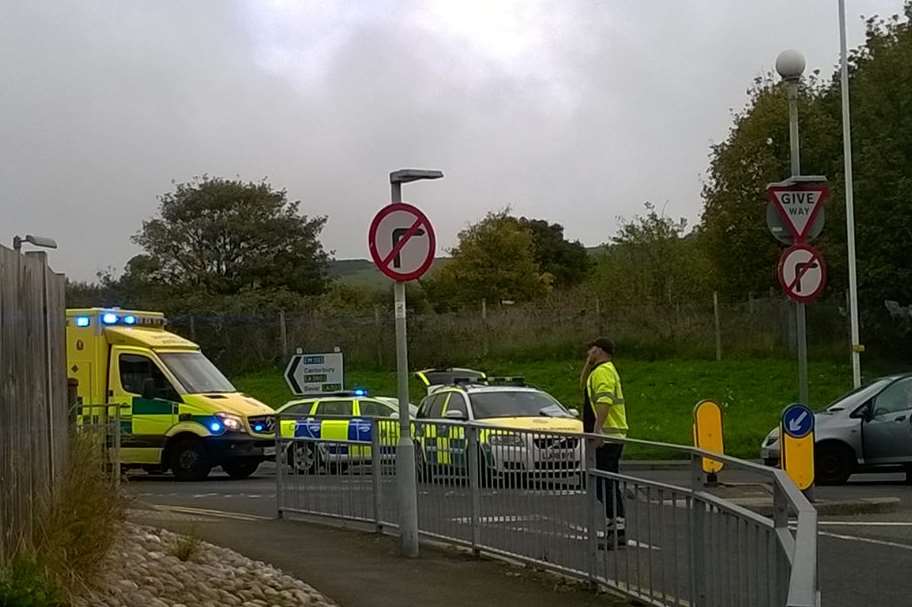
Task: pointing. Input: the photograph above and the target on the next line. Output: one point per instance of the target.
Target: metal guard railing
(534, 496)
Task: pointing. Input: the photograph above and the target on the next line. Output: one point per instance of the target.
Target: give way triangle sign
(798, 204)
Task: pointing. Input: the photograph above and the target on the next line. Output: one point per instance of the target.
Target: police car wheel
(304, 458)
(189, 460)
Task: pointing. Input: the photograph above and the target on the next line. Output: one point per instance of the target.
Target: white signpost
(315, 373)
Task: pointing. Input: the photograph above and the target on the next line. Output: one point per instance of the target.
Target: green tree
(755, 153)
(652, 260)
(495, 261)
(568, 262)
(219, 237)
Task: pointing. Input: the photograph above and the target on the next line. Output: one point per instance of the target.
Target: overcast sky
(576, 111)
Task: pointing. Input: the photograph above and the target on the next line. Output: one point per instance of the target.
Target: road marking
(213, 513)
(866, 540)
(866, 523)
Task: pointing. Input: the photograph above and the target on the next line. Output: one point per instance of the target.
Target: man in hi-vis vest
(604, 413)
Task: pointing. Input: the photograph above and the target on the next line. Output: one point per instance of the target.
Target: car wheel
(190, 461)
(305, 458)
(832, 464)
(241, 469)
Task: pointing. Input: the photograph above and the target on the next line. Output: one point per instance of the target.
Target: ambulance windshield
(196, 373)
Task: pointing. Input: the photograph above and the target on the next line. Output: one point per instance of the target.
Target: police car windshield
(519, 403)
(196, 373)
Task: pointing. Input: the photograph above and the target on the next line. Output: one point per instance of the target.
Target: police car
(353, 412)
(500, 405)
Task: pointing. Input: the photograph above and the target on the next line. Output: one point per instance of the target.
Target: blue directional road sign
(797, 421)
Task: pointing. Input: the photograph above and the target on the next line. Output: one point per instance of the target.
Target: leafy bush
(26, 583)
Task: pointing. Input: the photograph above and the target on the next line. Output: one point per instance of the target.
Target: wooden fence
(33, 392)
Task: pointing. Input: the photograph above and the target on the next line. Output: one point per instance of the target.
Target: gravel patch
(143, 571)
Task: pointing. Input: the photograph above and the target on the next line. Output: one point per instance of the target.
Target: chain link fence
(698, 329)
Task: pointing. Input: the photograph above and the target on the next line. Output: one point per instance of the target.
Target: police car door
(430, 414)
(149, 402)
(454, 445)
(335, 429)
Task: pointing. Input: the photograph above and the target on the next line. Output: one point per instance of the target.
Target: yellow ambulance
(178, 412)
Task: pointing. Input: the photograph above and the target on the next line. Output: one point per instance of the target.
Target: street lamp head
(38, 241)
(407, 175)
(790, 64)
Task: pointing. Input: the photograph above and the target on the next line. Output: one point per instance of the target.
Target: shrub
(26, 583)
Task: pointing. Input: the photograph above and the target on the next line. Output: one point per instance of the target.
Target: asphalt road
(863, 558)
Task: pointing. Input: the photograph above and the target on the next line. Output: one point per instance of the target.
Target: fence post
(718, 325)
(484, 330)
(474, 463)
(379, 336)
(697, 552)
(592, 506)
(750, 303)
(598, 315)
(49, 371)
(280, 468)
(192, 328)
(376, 472)
(283, 334)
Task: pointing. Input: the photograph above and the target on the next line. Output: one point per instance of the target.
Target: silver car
(869, 428)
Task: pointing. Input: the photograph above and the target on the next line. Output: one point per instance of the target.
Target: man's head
(601, 349)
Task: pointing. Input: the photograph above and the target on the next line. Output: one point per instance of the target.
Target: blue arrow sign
(797, 421)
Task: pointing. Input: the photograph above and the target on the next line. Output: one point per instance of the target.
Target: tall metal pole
(801, 318)
(849, 197)
(407, 483)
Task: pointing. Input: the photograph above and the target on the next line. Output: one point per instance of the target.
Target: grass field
(660, 395)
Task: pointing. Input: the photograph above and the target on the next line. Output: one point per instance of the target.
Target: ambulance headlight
(507, 440)
(232, 423)
(109, 318)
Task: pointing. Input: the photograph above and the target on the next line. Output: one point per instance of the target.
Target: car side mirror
(865, 413)
(394, 415)
(574, 412)
(148, 389)
(455, 414)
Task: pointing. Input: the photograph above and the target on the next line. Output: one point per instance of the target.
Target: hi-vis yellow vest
(604, 389)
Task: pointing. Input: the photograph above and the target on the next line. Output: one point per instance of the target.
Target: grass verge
(660, 394)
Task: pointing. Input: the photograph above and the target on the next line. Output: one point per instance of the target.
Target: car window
(136, 369)
(519, 403)
(300, 408)
(457, 403)
(895, 398)
(433, 406)
(335, 407)
(371, 408)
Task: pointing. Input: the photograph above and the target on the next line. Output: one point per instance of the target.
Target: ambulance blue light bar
(129, 319)
(83, 321)
(109, 318)
(359, 392)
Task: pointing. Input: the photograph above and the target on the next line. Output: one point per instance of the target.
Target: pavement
(862, 554)
(363, 569)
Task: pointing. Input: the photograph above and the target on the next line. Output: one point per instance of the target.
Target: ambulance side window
(373, 409)
(135, 369)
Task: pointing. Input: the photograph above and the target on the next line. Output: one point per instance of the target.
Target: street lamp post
(407, 483)
(849, 197)
(790, 65)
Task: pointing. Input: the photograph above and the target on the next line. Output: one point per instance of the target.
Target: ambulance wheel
(305, 459)
(240, 469)
(189, 460)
